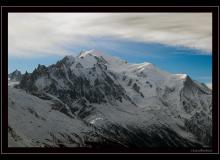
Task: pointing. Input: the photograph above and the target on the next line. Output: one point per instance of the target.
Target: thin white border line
(110, 7)
(1, 79)
(123, 153)
(218, 80)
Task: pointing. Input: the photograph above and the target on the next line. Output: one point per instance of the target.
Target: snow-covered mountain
(15, 76)
(95, 100)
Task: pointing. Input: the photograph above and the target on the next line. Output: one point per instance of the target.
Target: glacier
(94, 100)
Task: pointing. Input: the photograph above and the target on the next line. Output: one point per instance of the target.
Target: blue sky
(174, 59)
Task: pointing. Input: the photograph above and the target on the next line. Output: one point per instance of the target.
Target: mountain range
(95, 100)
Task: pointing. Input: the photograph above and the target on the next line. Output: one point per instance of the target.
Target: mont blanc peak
(109, 101)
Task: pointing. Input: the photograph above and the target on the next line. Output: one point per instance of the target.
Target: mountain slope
(15, 76)
(131, 105)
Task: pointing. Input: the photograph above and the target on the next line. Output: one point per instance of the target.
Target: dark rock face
(28, 80)
(137, 89)
(200, 124)
(137, 138)
(130, 82)
(104, 89)
(15, 76)
(196, 126)
(149, 84)
(13, 134)
(81, 89)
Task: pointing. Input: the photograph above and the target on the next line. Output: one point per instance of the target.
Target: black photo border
(39, 9)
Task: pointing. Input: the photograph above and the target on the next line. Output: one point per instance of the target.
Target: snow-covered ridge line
(116, 64)
(133, 105)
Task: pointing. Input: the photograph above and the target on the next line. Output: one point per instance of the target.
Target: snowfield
(95, 100)
(34, 122)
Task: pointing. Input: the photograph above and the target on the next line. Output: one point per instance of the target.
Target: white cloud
(209, 85)
(36, 34)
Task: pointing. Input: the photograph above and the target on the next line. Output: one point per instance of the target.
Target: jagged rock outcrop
(121, 104)
(15, 76)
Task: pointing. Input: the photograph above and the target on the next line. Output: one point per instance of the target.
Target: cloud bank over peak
(39, 34)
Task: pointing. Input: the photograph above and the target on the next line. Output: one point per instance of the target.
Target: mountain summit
(113, 103)
(15, 76)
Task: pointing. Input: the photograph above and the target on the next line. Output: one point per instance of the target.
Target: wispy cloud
(209, 85)
(39, 34)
